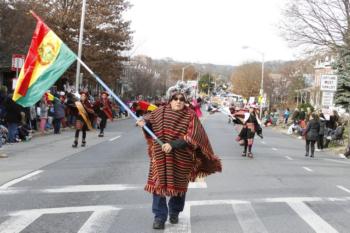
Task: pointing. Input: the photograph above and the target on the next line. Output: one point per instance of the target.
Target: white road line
(184, 225)
(64, 210)
(275, 149)
(92, 188)
(17, 224)
(248, 218)
(115, 138)
(99, 221)
(311, 218)
(15, 181)
(109, 187)
(308, 169)
(289, 158)
(343, 188)
(198, 185)
(336, 161)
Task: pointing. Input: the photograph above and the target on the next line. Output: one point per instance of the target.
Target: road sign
(329, 82)
(17, 61)
(327, 98)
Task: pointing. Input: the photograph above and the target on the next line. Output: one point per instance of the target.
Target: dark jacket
(13, 111)
(312, 130)
(322, 126)
(59, 109)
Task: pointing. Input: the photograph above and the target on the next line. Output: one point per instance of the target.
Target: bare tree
(246, 80)
(317, 24)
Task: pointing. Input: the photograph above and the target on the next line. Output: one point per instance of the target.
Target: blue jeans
(160, 207)
(12, 132)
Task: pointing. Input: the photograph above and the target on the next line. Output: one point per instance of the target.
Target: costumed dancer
(185, 155)
(103, 108)
(196, 105)
(83, 121)
(251, 125)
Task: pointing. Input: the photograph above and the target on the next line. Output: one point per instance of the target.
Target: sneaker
(158, 224)
(317, 150)
(174, 219)
(244, 154)
(2, 156)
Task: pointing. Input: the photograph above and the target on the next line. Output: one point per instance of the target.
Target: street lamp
(183, 72)
(261, 92)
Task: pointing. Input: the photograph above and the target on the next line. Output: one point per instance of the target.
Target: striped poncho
(169, 174)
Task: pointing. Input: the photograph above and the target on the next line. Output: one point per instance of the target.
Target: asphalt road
(100, 188)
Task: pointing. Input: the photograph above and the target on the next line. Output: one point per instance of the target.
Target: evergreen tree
(342, 66)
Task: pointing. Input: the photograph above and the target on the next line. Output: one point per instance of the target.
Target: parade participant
(185, 155)
(311, 134)
(83, 120)
(103, 108)
(251, 125)
(196, 105)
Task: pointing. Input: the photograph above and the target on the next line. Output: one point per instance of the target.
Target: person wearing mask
(311, 134)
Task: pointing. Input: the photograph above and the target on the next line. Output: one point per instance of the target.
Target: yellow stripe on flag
(48, 51)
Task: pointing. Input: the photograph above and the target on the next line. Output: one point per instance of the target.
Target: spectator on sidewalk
(311, 134)
(44, 111)
(322, 121)
(286, 115)
(59, 114)
(13, 118)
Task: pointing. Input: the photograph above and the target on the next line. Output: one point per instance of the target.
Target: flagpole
(119, 101)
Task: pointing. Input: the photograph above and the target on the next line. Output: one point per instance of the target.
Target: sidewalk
(40, 151)
(336, 151)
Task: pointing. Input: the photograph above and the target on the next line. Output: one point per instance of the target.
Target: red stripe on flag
(40, 32)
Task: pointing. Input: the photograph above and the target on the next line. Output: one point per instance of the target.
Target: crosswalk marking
(17, 224)
(15, 181)
(99, 221)
(201, 184)
(248, 218)
(311, 218)
(92, 188)
(184, 225)
(102, 217)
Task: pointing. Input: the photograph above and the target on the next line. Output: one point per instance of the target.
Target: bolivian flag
(48, 58)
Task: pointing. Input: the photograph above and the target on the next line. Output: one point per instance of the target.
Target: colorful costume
(83, 121)
(251, 125)
(103, 108)
(170, 173)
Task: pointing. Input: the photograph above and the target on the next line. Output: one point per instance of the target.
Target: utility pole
(80, 46)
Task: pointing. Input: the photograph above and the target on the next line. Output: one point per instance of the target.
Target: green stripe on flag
(48, 78)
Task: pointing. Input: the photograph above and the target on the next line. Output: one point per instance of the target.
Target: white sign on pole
(327, 98)
(251, 100)
(329, 82)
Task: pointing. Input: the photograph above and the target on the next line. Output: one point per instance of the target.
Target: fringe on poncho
(169, 174)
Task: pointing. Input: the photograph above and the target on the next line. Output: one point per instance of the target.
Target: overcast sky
(208, 31)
